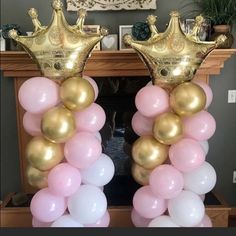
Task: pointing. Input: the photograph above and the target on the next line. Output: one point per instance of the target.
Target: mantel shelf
(107, 64)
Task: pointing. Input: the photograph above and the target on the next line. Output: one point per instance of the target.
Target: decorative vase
(225, 30)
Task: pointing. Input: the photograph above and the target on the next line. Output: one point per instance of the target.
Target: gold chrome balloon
(37, 178)
(60, 50)
(58, 125)
(148, 152)
(168, 128)
(140, 174)
(187, 99)
(173, 57)
(43, 154)
(76, 93)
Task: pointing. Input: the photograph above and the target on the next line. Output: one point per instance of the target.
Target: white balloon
(88, 204)
(187, 209)
(162, 221)
(205, 146)
(201, 180)
(66, 221)
(98, 136)
(100, 172)
(202, 196)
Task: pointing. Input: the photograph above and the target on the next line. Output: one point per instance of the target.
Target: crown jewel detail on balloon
(173, 57)
(60, 49)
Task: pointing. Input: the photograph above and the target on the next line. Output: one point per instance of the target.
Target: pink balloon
(90, 119)
(93, 83)
(152, 101)
(141, 125)
(38, 224)
(200, 126)
(207, 90)
(64, 180)
(166, 181)
(147, 204)
(103, 222)
(138, 220)
(47, 207)
(186, 155)
(38, 95)
(82, 150)
(32, 123)
(206, 222)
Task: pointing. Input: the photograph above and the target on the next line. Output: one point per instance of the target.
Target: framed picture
(93, 29)
(124, 29)
(205, 30)
(110, 42)
(104, 5)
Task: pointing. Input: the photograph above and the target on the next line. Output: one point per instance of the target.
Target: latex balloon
(187, 209)
(82, 150)
(141, 125)
(38, 224)
(140, 174)
(76, 93)
(148, 152)
(94, 84)
(162, 221)
(207, 90)
(66, 221)
(61, 50)
(168, 128)
(152, 101)
(186, 155)
(173, 57)
(43, 154)
(138, 220)
(100, 172)
(201, 180)
(88, 204)
(200, 126)
(98, 136)
(187, 99)
(206, 222)
(38, 94)
(31, 123)
(36, 178)
(101, 223)
(205, 146)
(47, 207)
(147, 204)
(90, 119)
(58, 125)
(64, 180)
(166, 181)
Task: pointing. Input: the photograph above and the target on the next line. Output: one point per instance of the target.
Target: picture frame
(110, 42)
(205, 31)
(93, 29)
(124, 29)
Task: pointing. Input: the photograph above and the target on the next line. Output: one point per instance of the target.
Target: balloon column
(65, 156)
(169, 157)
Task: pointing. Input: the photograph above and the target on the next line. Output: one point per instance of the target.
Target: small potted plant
(222, 14)
(10, 44)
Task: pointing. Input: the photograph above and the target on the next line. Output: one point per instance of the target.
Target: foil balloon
(173, 57)
(60, 49)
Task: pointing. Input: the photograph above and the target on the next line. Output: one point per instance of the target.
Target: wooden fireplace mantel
(20, 67)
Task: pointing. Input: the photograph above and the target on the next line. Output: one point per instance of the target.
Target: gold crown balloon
(60, 49)
(173, 57)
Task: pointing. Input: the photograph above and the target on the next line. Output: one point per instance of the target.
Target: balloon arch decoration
(65, 155)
